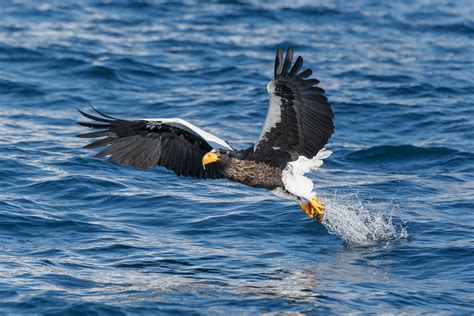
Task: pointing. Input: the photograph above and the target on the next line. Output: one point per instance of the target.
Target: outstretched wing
(299, 118)
(171, 143)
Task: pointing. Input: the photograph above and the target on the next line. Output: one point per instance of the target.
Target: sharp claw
(317, 205)
(314, 209)
(319, 218)
(306, 208)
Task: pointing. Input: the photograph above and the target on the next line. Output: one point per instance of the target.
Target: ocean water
(79, 235)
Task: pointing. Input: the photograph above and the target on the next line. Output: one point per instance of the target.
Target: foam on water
(358, 225)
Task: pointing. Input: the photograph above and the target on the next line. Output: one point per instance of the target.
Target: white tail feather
(293, 175)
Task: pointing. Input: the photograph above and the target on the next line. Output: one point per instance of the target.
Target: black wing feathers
(146, 144)
(305, 73)
(296, 67)
(305, 117)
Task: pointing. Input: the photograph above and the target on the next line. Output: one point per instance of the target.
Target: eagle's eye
(216, 151)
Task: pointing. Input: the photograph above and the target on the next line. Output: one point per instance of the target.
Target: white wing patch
(293, 175)
(273, 115)
(212, 140)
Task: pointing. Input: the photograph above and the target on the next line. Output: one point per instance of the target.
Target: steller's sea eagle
(297, 127)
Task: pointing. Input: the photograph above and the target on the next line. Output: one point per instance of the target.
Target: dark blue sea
(82, 236)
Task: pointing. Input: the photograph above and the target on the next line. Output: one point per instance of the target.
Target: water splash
(358, 225)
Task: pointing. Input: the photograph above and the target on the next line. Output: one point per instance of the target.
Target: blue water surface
(79, 235)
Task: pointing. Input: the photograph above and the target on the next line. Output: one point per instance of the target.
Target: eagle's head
(210, 157)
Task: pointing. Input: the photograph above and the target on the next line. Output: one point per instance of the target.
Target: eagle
(298, 125)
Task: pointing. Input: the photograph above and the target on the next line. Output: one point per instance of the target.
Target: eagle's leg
(302, 187)
(313, 209)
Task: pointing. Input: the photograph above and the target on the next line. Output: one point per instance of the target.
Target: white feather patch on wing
(293, 175)
(273, 114)
(212, 140)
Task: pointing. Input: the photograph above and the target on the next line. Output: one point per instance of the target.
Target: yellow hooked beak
(208, 158)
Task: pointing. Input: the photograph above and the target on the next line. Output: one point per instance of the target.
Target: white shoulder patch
(212, 140)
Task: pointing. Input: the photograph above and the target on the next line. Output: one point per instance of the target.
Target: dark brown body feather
(251, 173)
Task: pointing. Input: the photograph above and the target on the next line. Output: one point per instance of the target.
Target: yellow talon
(306, 208)
(314, 208)
(317, 205)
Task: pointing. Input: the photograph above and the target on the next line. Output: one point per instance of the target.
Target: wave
(99, 72)
(460, 27)
(23, 89)
(400, 153)
(14, 223)
(19, 54)
(71, 186)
